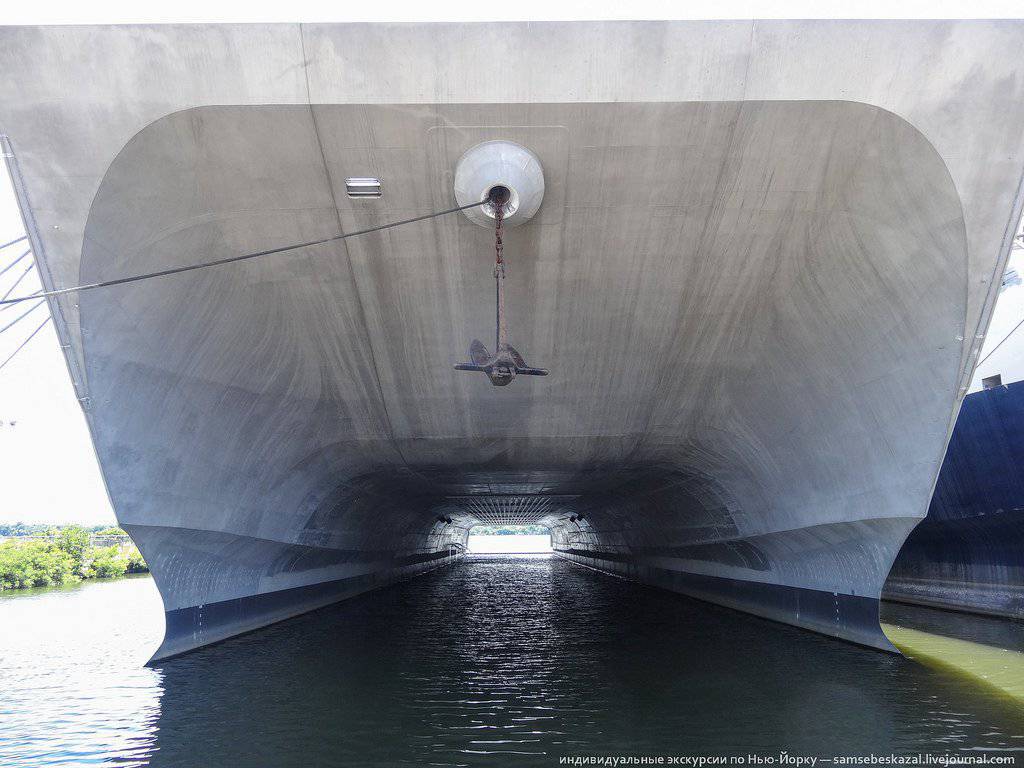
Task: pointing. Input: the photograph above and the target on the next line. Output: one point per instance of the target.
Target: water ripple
(496, 661)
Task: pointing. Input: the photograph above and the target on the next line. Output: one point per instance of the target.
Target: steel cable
(15, 240)
(11, 265)
(234, 259)
(26, 341)
(23, 315)
(17, 282)
(997, 346)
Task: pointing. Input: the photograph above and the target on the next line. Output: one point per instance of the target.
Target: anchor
(503, 366)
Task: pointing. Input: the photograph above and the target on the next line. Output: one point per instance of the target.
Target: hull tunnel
(760, 274)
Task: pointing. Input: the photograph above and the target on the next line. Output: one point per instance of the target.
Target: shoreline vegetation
(47, 556)
(508, 530)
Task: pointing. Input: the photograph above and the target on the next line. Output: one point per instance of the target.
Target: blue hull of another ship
(968, 554)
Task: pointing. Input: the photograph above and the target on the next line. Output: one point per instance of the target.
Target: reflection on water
(985, 649)
(988, 630)
(73, 687)
(495, 661)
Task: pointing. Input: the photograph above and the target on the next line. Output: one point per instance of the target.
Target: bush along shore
(66, 556)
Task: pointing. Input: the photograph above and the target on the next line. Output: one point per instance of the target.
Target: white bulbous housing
(500, 164)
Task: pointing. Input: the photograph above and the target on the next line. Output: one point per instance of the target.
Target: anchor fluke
(522, 367)
(479, 355)
(500, 368)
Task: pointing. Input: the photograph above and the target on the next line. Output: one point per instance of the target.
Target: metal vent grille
(362, 186)
(507, 510)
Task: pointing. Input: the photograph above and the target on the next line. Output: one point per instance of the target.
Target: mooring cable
(17, 282)
(997, 346)
(26, 341)
(15, 240)
(33, 295)
(13, 263)
(23, 315)
(233, 259)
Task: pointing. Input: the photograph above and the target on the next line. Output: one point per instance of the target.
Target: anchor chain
(499, 215)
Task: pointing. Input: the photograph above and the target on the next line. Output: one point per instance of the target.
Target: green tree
(508, 530)
(135, 562)
(108, 562)
(34, 564)
(66, 556)
(74, 540)
(23, 529)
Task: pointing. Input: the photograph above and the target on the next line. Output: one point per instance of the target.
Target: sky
(49, 469)
(1008, 359)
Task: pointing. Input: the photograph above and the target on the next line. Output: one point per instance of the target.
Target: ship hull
(968, 554)
(759, 278)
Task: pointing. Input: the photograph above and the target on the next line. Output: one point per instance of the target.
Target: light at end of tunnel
(509, 540)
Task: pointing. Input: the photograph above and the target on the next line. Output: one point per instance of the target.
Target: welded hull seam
(198, 625)
(849, 617)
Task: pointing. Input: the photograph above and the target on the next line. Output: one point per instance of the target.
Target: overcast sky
(49, 470)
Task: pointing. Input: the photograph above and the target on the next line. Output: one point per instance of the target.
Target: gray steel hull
(760, 276)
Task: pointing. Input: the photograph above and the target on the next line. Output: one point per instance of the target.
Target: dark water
(495, 661)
